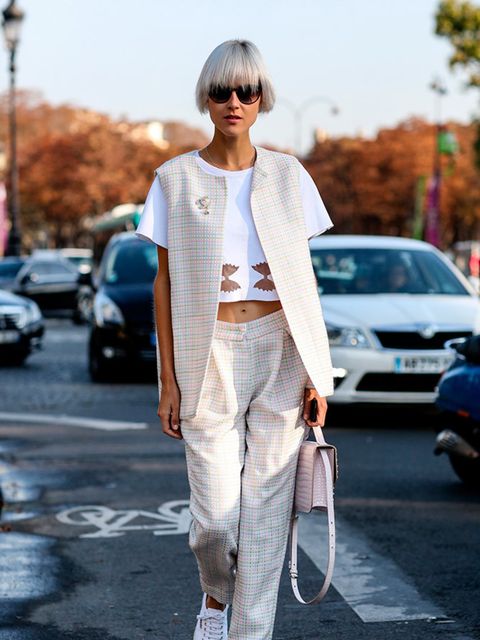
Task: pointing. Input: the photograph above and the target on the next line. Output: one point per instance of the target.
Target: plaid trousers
(241, 450)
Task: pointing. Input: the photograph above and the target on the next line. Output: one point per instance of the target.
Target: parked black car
(51, 281)
(122, 327)
(21, 328)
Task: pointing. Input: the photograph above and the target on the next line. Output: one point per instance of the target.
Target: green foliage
(459, 22)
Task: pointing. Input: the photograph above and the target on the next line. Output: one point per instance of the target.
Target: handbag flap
(310, 483)
(304, 477)
(331, 451)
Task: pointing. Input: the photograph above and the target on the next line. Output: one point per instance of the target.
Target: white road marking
(372, 584)
(172, 518)
(65, 336)
(73, 421)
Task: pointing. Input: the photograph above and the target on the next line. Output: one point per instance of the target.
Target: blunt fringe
(234, 63)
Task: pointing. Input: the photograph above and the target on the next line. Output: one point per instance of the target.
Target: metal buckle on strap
(292, 570)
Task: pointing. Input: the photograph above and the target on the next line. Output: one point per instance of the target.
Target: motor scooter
(458, 399)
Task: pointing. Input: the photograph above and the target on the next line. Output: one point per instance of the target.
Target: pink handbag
(317, 472)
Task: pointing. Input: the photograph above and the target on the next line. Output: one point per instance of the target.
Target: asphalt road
(93, 531)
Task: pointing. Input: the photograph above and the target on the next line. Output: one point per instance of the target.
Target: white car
(389, 305)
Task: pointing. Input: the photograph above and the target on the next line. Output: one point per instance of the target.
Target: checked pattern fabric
(196, 213)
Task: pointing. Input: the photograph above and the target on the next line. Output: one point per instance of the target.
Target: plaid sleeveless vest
(196, 212)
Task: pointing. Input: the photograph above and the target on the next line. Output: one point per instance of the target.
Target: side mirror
(29, 277)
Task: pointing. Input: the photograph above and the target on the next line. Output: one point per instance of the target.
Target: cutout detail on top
(227, 284)
(265, 283)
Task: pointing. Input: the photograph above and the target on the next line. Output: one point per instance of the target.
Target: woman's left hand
(322, 408)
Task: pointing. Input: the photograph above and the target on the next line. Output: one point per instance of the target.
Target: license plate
(9, 336)
(153, 338)
(422, 364)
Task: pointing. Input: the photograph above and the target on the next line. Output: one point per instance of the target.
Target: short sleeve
(317, 219)
(153, 225)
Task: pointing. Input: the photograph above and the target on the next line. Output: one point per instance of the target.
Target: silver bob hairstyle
(234, 63)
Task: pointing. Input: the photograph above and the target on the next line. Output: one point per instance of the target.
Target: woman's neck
(233, 154)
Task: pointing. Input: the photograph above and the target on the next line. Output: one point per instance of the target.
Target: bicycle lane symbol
(171, 518)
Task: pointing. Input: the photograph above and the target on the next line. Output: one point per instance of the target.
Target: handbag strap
(331, 532)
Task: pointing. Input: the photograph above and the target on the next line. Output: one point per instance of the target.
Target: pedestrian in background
(242, 347)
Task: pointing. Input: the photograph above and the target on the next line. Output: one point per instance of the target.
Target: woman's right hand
(169, 410)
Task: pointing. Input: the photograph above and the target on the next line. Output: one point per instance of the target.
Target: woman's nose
(233, 101)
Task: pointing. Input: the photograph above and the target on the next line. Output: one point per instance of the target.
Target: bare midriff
(246, 310)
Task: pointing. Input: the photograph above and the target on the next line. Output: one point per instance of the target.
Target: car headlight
(106, 311)
(33, 313)
(17, 314)
(347, 337)
(476, 325)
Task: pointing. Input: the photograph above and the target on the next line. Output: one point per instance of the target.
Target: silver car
(390, 304)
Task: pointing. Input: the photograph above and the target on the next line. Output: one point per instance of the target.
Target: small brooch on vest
(203, 204)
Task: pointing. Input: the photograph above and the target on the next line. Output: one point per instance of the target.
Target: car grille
(9, 320)
(414, 340)
(415, 382)
(149, 355)
(140, 340)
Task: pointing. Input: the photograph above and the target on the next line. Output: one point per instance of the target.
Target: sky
(141, 59)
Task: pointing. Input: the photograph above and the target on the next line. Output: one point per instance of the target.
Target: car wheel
(468, 470)
(77, 317)
(99, 369)
(15, 359)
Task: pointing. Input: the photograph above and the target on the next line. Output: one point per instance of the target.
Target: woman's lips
(232, 118)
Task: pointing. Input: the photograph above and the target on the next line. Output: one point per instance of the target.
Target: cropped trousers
(241, 450)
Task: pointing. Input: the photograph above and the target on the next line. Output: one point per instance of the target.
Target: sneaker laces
(213, 624)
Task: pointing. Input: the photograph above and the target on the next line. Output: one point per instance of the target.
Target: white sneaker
(211, 623)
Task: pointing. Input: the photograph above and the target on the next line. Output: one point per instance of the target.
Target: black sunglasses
(247, 94)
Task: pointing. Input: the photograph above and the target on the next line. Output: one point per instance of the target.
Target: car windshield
(9, 269)
(50, 268)
(131, 263)
(79, 260)
(366, 271)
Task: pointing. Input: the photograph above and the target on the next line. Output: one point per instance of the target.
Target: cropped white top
(245, 271)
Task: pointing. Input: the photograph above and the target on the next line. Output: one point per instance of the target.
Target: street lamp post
(298, 112)
(432, 231)
(12, 21)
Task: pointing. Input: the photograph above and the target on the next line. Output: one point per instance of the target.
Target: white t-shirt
(245, 271)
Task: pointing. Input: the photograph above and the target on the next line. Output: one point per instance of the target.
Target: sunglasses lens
(247, 94)
(220, 94)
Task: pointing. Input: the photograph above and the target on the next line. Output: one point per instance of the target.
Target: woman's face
(233, 118)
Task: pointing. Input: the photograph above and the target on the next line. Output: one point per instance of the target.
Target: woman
(242, 348)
